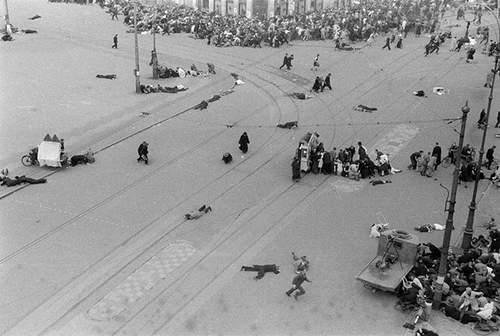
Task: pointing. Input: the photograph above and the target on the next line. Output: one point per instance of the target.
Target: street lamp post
(136, 71)
(468, 232)
(467, 238)
(438, 293)
(154, 55)
(7, 20)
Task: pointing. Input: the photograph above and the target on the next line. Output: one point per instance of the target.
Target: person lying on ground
(201, 106)
(112, 76)
(197, 214)
(364, 108)
(376, 229)
(261, 270)
(377, 182)
(300, 95)
(214, 98)
(289, 125)
(21, 179)
(35, 17)
(85, 158)
(428, 227)
(173, 89)
(29, 31)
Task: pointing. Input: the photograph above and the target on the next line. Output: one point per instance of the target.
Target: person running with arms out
(297, 282)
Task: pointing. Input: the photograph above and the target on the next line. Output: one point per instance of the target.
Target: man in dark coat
(296, 169)
(143, 152)
(289, 62)
(362, 151)
(489, 156)
(115, 42)
(285, 61)
(436, 151)
(317, 84)
(244, 141)
(327, 83)
(387, 44)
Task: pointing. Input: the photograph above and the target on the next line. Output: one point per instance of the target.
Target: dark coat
(436, 151)
(142, 150)
(244, 141)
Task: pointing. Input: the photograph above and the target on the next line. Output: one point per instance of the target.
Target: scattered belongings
(112, 76)
(438, 90)
(364, 108)
(227, 158)
(419, 93)
(289, 124)
(239, 82)
(200, 212)
(35, 17)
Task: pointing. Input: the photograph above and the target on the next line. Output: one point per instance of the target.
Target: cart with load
(49, 153)
(396, 256)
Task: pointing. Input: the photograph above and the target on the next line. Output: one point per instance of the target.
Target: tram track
(205, 256)
(218, 134)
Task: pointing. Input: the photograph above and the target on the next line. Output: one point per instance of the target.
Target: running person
(297, 282)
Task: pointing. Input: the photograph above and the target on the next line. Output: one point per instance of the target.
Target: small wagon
(396, 255)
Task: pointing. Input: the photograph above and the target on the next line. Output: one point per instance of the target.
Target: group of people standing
(426, 164)
(348, 162)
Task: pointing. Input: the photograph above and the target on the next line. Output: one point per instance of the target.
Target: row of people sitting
(166, 72)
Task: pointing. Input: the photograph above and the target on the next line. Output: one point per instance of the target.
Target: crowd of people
(471, 285)
(357, 22)
(347, 162)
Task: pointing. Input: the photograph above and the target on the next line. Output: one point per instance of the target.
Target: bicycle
(30, 159)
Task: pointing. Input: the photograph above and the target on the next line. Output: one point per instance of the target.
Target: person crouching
(143, 152)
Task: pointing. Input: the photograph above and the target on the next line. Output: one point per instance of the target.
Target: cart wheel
(26, 161)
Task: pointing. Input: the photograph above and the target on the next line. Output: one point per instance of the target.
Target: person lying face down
(261, 270)
(20, 179)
